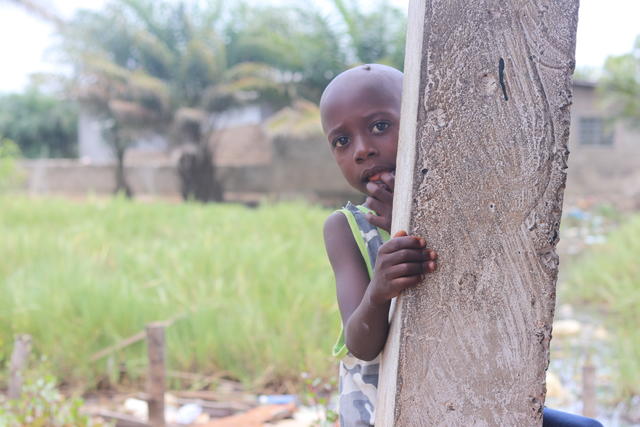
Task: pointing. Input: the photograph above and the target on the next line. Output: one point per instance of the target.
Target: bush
(42, 125)
(41, 404)
(10, 173)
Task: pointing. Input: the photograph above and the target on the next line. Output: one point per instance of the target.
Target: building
(604, 164)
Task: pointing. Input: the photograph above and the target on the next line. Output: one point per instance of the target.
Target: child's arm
(364, 304)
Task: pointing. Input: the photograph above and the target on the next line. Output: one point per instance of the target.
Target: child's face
(360, 118)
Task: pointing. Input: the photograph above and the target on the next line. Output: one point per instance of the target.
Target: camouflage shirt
(358, 378)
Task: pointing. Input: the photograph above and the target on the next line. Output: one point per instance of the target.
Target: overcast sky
(605, 27)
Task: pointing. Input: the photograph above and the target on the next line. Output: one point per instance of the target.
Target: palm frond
(300, 120)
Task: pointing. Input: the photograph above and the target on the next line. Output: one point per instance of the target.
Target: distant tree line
(43, 125)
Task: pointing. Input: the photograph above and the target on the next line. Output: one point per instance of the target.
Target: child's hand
(402, 263)
(381, 200)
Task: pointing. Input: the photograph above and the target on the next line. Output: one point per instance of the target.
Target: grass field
(607, 278)
(253, 285)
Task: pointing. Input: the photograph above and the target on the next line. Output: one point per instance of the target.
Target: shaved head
(375, 79)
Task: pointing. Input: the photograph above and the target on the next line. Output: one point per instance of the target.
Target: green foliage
(377, 35)
(42, 125)
(253, 286)
(608, 278)
(41, 404)
(310, 47)
(317, 392)
(193, 47)
(620, 86)
(10, 174)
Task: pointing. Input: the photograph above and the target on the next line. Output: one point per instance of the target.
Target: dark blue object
(554, 418)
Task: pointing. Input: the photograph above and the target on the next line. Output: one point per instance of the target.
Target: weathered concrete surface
(483, 181)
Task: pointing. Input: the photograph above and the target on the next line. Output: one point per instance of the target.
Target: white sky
(605, 27)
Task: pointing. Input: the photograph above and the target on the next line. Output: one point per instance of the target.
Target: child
(360, 111)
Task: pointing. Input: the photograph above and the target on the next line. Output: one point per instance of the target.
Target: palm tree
(311, 46)
(374, 36)
(40, 10)
(146, 65)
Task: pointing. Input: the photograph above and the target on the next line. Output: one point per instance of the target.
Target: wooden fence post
(480, 174)
(156, 376)
(19, 359)
(589, 405)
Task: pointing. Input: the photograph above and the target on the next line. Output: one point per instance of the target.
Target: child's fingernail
(423, 242)
(433, 255)
(432, 266)
(400, 233)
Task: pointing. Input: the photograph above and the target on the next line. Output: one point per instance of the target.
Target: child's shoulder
(342, 221)
(339, 240)
(336, 228)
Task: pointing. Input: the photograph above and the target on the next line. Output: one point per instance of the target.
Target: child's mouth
(377, 177)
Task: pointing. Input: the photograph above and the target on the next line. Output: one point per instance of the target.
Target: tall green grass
(253, 285)
(608, 278)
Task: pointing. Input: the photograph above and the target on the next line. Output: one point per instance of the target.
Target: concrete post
(480, 174)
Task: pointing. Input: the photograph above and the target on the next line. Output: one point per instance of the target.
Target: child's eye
(340, 141)
(380, 127)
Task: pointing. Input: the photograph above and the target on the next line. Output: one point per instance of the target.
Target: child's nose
(364, 150)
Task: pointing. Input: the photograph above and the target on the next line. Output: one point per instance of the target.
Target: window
(594, 131)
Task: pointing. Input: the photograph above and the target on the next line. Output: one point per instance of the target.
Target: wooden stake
(480, 175)
(156, 376)
(19, 359)
(589, 405)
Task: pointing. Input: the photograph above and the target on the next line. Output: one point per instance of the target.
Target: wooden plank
(480, 173)
(156, 376)
(137, 337)
(119, 346)
(18, 363)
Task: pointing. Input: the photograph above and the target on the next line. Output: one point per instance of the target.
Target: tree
(42, 125)
(163, 66)
(39, 9)
(620, 86)
(310, 46)
(374, 36)
(10, 173)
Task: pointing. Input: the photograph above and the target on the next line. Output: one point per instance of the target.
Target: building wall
(603, 172)
(304, 167)
(73, 177)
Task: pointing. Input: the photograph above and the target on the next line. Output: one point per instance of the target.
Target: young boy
(360, 112)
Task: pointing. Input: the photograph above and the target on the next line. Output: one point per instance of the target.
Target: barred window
(594, 131)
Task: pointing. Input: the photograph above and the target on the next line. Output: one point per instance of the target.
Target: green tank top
(369, 238)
